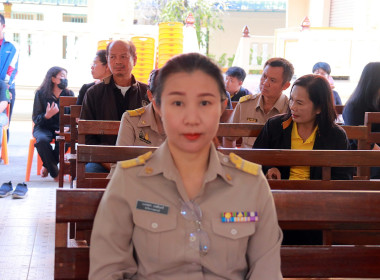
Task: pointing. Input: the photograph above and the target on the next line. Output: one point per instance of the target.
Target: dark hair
(128, 44)
(321, 95)
(236, 72)
(2, 19)
(189, 63)
(102, 56)
(286, 66)
(47, 85)
(152, 81)
(322, 65)
(366, 92)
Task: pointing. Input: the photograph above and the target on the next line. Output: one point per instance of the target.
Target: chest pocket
(231, 239)
(155, 236)
(233, 230)
(154, 222)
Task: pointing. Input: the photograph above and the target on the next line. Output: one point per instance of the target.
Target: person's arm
(125, 136)
(3, 106)
(111, 250)
(263, 141)
(341, 143)
(88, 112)
(263, 252)
(230, 142)
(13, 66)
(39, 110)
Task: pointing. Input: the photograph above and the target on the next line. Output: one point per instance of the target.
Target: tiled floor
(27, 236)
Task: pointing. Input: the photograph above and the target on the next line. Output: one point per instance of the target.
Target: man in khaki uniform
(143, 229)
(269, 102)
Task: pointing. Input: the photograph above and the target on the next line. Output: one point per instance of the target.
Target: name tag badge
(152, 207)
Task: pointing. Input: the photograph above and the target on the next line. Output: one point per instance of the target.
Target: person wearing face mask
(46, 118)
(99, 71)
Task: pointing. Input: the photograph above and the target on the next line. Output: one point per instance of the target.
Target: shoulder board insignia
(136, 112)
(245, 98)
(136, 161)
(244, 165)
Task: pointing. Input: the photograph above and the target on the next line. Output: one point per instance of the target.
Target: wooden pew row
(321, 210)
(325, 158)
(64, 136)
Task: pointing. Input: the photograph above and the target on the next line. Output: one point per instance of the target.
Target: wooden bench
(339, 109)
(323, 158)
(321, 210)
(64, 136)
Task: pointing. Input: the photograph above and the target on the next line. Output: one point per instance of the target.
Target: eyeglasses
(198, 238)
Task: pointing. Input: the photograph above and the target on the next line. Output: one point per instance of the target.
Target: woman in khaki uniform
(187, 211)
(143, 126)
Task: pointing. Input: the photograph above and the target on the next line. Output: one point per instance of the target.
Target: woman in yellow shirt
(309, 125)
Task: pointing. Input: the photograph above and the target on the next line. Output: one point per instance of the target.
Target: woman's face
(190, 110)
(98, 70)
(301, 107)
(57, 79)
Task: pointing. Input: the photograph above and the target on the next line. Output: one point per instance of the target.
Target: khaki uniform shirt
(250, 109)
(138, 128)
(139, 232)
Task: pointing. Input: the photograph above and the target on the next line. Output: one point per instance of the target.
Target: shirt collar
(162, 162)
(278, 105)
(148, 118)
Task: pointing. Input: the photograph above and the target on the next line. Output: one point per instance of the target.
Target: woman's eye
(205, 103)
(177, 103)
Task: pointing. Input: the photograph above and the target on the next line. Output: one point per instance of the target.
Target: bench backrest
(320, 210)
(323, 158)
(370, 119)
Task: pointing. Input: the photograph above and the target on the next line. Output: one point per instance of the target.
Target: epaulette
(245, 98)
(136, 112)
(244, 165)
(136, 161)
(286, 123)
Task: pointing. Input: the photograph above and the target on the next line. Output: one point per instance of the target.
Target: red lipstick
(192, 136)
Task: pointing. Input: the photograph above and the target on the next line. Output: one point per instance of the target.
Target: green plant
(259, 59)
(222, 61)
(207, 14)
(231, 60)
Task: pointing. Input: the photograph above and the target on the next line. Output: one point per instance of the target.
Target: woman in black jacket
(309, 124)
(365, 98)
(46, 118)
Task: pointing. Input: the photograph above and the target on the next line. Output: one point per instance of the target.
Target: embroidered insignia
(239, 217)
(286, 123)
(245, 98)
(252, 120)
(136, 161)
(136, 112)
(244, 165)
(144, 137)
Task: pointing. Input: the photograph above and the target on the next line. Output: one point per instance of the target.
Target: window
(74, 18)
(16, 38)
(27, 16)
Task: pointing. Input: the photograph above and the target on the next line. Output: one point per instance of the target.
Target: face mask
(63, 84)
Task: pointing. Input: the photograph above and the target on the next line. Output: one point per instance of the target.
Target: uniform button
(154, 225)
(233, 231)
(148, 170)
(143, 122)
(225, 159)
(192, 238)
